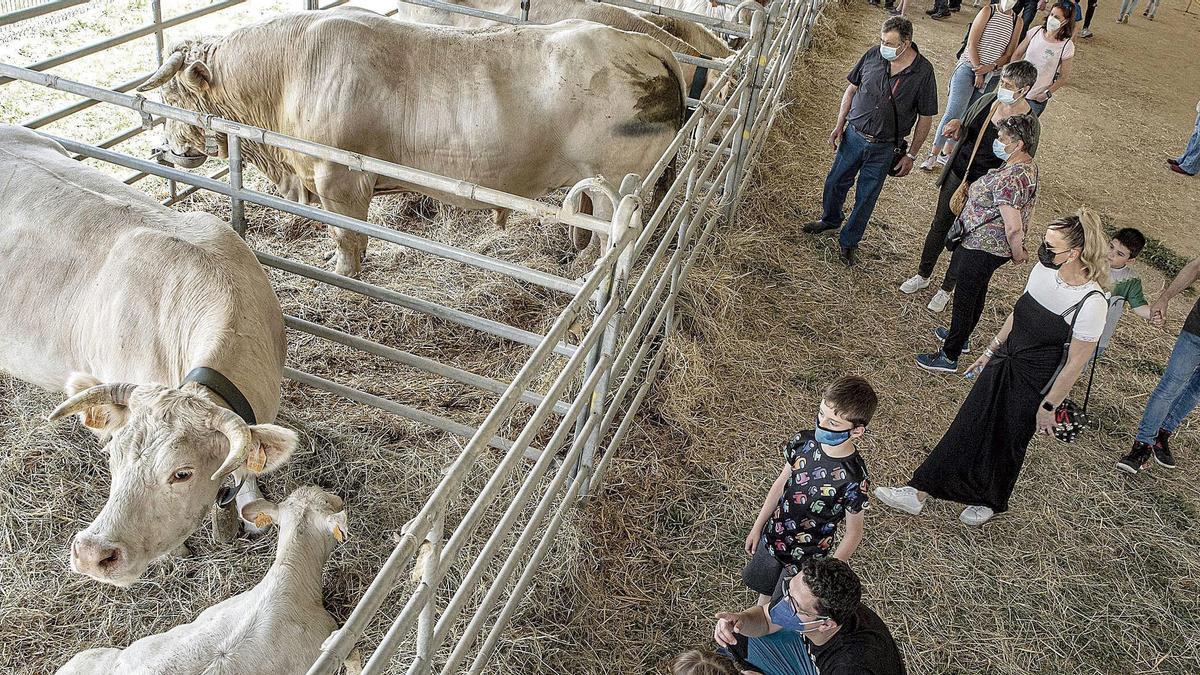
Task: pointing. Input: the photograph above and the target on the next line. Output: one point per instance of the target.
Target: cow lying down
(523, 109)
(161, 327)
(275, 628)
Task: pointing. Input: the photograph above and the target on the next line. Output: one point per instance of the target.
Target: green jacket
(973, 119)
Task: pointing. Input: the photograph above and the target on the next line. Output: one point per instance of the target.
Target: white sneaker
(976, 515)
(1085, 33)
(900, 498)
(939, 301)
(914, 284)
(943, 158)
(929, 163)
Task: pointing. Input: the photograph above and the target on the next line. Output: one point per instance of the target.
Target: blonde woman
(1022, 377)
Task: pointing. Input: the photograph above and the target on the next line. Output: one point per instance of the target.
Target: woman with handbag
(1023, 377)
(1049, 48)
(989, 232)
(970, 160)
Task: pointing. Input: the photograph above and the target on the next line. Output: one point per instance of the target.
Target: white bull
(525, 109)
(114, 298)
(275, 628)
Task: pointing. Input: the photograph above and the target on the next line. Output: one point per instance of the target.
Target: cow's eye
(181, 475)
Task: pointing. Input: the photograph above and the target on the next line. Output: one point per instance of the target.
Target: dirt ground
(1089, 573)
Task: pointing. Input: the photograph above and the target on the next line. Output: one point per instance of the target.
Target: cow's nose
(96, 557)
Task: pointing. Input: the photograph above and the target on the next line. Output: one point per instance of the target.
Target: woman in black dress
(1022, 377)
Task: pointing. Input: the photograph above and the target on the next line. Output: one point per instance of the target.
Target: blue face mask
(999, 151)
(889, 53)
(829, 437)
(785, 617)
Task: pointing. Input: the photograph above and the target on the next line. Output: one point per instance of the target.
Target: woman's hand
(979, 80)
(1045, 421)
(952, 129)
(752, 540)
(978, 366)
(1019, 256)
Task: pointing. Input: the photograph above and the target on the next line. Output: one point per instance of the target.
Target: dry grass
(1089, 573)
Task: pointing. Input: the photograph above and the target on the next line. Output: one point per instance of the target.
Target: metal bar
(38, 10)
(335, 3)
(711, 64)
(469, 11)
(413, 361)
(351, 160)
(126, 37)
(236, 208)
(408, 412)
(514, 270)
(119, 138)
(433, 309)
(56, 115)
(178, 196)
(425, 622)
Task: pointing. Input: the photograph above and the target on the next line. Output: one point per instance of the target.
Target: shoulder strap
(979, 137)
(895, 115)
(1067, 345)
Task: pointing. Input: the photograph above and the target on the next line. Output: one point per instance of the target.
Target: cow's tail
(670, 173)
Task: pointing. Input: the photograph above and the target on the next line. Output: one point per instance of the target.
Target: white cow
(526, 109)
(116, 299)
(275, 628)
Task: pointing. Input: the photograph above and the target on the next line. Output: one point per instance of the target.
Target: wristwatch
(911, 156)
(1047, 406)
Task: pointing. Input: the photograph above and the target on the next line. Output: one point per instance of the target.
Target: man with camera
(891, 88)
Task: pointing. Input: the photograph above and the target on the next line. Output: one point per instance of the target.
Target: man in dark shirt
(891, 88)
(816, 618)
(1179, 390)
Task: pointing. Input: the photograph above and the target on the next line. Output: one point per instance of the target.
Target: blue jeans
(856, 156)
(1178, 391)
(1039, 107)
(1190, 161)
(962, 85)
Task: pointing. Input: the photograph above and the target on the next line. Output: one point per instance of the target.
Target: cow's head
(168, 452)
(186, 82)
(309, 510)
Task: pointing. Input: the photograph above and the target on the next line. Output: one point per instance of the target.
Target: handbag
(1069, 418)
(958, 200)
(900, 149)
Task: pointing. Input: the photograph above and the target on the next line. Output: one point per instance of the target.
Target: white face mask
(1053, 23)
(1006, 96)
(1007, 5)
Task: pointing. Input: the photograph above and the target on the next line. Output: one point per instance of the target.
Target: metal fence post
(626, 218)
(236, 207)
(431, 557)
(741, 146)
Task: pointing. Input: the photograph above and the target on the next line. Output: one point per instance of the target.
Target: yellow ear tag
(262, 520)
(257, 461)
(337, 534)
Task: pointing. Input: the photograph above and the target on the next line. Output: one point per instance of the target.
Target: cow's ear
(272, 448)
(261, 512)
(102, 419)
(196, 76)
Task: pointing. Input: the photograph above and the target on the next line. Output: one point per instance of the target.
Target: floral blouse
(1014, 185)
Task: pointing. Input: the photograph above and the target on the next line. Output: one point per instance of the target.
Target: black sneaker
(937, 363)
(819, 226)
(940, 15)
(931, 12)
(941, 333)
(1136, 458)
(1162, 450)
(847, 255)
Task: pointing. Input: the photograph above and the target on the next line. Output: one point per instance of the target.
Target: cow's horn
(238, 433)
(101, 394)
(168, 69)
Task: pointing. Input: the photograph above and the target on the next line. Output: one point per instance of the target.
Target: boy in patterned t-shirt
(823, 481)
(1126, 244)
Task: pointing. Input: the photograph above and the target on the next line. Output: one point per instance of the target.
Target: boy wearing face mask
(823, 482)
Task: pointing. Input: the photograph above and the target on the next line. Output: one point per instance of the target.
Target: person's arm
(924, 122)
(988, 353)
(752, 622)
(1144, 312)
(973, 37)
(1135, 297)
(1014, 230)
(768, 507)
(852, 537)
(835, 138)
(1022, 48)
(1186, 276)
(1064, 70)
(1007, 56)
(1078, 356)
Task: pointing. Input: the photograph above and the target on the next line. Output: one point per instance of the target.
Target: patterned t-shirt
(1012, 185)
(817, 496)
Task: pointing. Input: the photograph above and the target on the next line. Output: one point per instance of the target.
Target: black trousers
(973, 271)
(935, 240)
(1091, 10)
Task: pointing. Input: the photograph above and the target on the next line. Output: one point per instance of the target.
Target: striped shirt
(996, 36)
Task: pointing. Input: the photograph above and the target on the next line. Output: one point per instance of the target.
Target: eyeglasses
(787, 593)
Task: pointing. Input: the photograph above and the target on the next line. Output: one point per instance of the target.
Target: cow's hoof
(345, 268)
